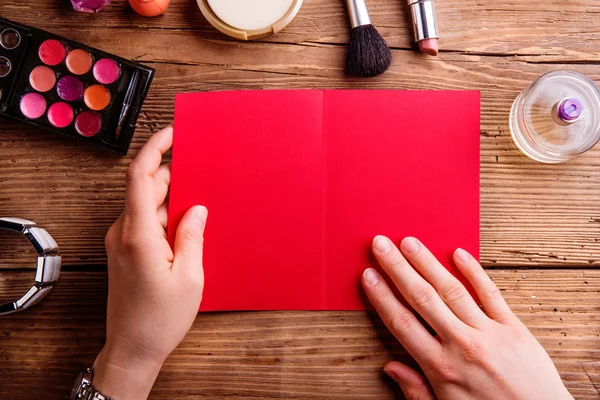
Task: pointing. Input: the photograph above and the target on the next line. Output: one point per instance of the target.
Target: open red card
(297, 183)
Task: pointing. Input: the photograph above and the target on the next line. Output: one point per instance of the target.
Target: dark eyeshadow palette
(70, 88)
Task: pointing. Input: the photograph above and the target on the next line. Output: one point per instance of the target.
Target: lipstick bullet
(424, 25)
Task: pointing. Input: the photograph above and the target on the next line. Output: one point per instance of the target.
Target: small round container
(10, 39)
(557, 117)
(5, 67)
(249, 19)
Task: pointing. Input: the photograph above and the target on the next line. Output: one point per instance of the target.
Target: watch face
(77, 387)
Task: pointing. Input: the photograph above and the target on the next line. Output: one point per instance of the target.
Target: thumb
(413, 384)
(189, 241)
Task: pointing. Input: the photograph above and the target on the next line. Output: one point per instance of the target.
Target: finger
(140, 194)
(493, 303)
(413, 384)
(162, 180)
(450, 289)
(163, 214)
(416, 290)
(189, 242)
(401, 322)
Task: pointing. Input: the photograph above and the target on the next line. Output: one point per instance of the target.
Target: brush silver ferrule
(423, 16)
(359, 15)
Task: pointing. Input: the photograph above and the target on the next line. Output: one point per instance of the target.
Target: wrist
(129, 380)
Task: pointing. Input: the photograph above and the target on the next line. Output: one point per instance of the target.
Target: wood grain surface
(531, 214)
(325, 355)
(541, 217)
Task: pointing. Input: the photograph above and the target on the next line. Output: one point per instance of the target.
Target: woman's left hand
(154, 292)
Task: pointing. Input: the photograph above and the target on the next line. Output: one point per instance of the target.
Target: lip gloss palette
(70, 88)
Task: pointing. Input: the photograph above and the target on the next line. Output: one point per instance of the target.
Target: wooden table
(540, 224)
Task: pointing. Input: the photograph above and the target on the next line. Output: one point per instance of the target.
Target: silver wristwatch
(48, 263)
(83, 389)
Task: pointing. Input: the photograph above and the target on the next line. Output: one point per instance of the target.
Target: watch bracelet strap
(93, 394)
(86, 389)
(48, 263)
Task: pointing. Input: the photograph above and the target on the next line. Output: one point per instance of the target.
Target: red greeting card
(297, 183)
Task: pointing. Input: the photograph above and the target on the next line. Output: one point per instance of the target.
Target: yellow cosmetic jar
(249, 19)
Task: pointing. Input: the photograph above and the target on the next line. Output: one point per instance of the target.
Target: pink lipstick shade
(60, 115)
(42, 78)
(88, 123)
(106, 71)
(52, 52)
(33, 105)
(429, 46)
(424, 25)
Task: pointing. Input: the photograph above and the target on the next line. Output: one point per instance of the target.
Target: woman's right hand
(477, 354)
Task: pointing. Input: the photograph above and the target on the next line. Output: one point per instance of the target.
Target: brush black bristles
(368, 53)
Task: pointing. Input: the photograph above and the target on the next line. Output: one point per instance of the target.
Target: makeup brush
(368, 53)
(127, 103)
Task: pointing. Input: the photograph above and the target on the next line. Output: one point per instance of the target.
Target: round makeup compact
(249, 19)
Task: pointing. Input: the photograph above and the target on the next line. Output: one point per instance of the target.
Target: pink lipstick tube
(424, 25)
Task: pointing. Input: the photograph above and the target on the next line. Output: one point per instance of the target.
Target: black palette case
(128, 92)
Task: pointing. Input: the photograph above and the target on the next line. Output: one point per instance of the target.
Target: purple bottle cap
(570, 109)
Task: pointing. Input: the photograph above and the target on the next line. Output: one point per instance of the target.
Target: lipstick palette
(70, 88)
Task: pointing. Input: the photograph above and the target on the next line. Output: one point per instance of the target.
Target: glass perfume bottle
(557, 117)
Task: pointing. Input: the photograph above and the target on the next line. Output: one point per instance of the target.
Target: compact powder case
(249, 19)
(69, 88)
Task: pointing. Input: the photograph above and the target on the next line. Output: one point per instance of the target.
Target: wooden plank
(531, 214)
(528, 28)
(280, 354)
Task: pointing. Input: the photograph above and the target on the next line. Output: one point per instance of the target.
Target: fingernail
(410, 245)
(371, 276)
(382, 244)
(391, 374)
(199, 215)
(462, 255)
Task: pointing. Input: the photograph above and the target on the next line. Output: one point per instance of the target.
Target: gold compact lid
(249, 19)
